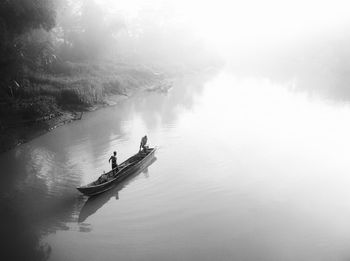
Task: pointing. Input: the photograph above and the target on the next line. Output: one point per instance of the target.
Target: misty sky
(223, 23)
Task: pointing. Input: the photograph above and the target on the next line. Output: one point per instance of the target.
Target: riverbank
(43, 102)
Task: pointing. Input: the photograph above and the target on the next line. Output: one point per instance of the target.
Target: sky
(223, 23)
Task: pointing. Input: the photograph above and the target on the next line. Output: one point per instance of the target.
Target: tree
(18, 18)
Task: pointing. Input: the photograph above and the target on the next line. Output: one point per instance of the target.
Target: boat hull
(91, 190)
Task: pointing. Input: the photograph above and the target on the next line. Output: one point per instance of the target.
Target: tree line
(48, 36)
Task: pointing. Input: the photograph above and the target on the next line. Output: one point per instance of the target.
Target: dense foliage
(18, 19)
(54, 51)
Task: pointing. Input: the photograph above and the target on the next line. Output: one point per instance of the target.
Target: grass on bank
(70, 86)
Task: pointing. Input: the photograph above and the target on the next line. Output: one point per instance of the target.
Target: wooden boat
(108, 180)
(93, 204)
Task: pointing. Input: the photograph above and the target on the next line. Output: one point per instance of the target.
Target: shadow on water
(38, 179)
(93, 204)
(22, 226)
(19, 238)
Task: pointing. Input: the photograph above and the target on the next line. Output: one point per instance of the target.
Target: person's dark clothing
(114, 162)
(143, 142)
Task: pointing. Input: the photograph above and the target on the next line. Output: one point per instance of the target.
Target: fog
(192, 34)
(156, 33)
(227, 25)
(249, 166)
(303, 42)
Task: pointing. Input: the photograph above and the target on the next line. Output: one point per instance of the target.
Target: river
(247, 169)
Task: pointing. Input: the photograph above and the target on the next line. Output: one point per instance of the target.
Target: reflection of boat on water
(107, 181)
(95, 203)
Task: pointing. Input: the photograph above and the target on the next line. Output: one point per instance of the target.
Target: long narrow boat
(110, 179)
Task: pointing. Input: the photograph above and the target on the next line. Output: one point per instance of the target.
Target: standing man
(113, 158)
(143, 143)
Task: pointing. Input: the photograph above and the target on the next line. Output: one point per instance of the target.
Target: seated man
(143, 143)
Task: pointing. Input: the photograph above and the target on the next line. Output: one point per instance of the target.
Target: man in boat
(113, 158)
(143, 143)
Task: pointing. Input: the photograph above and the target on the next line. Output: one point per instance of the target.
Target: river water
(247, 169)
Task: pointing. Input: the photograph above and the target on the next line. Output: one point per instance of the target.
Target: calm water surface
(247, 169)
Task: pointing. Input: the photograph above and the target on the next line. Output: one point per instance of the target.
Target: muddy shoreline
(13, 136)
